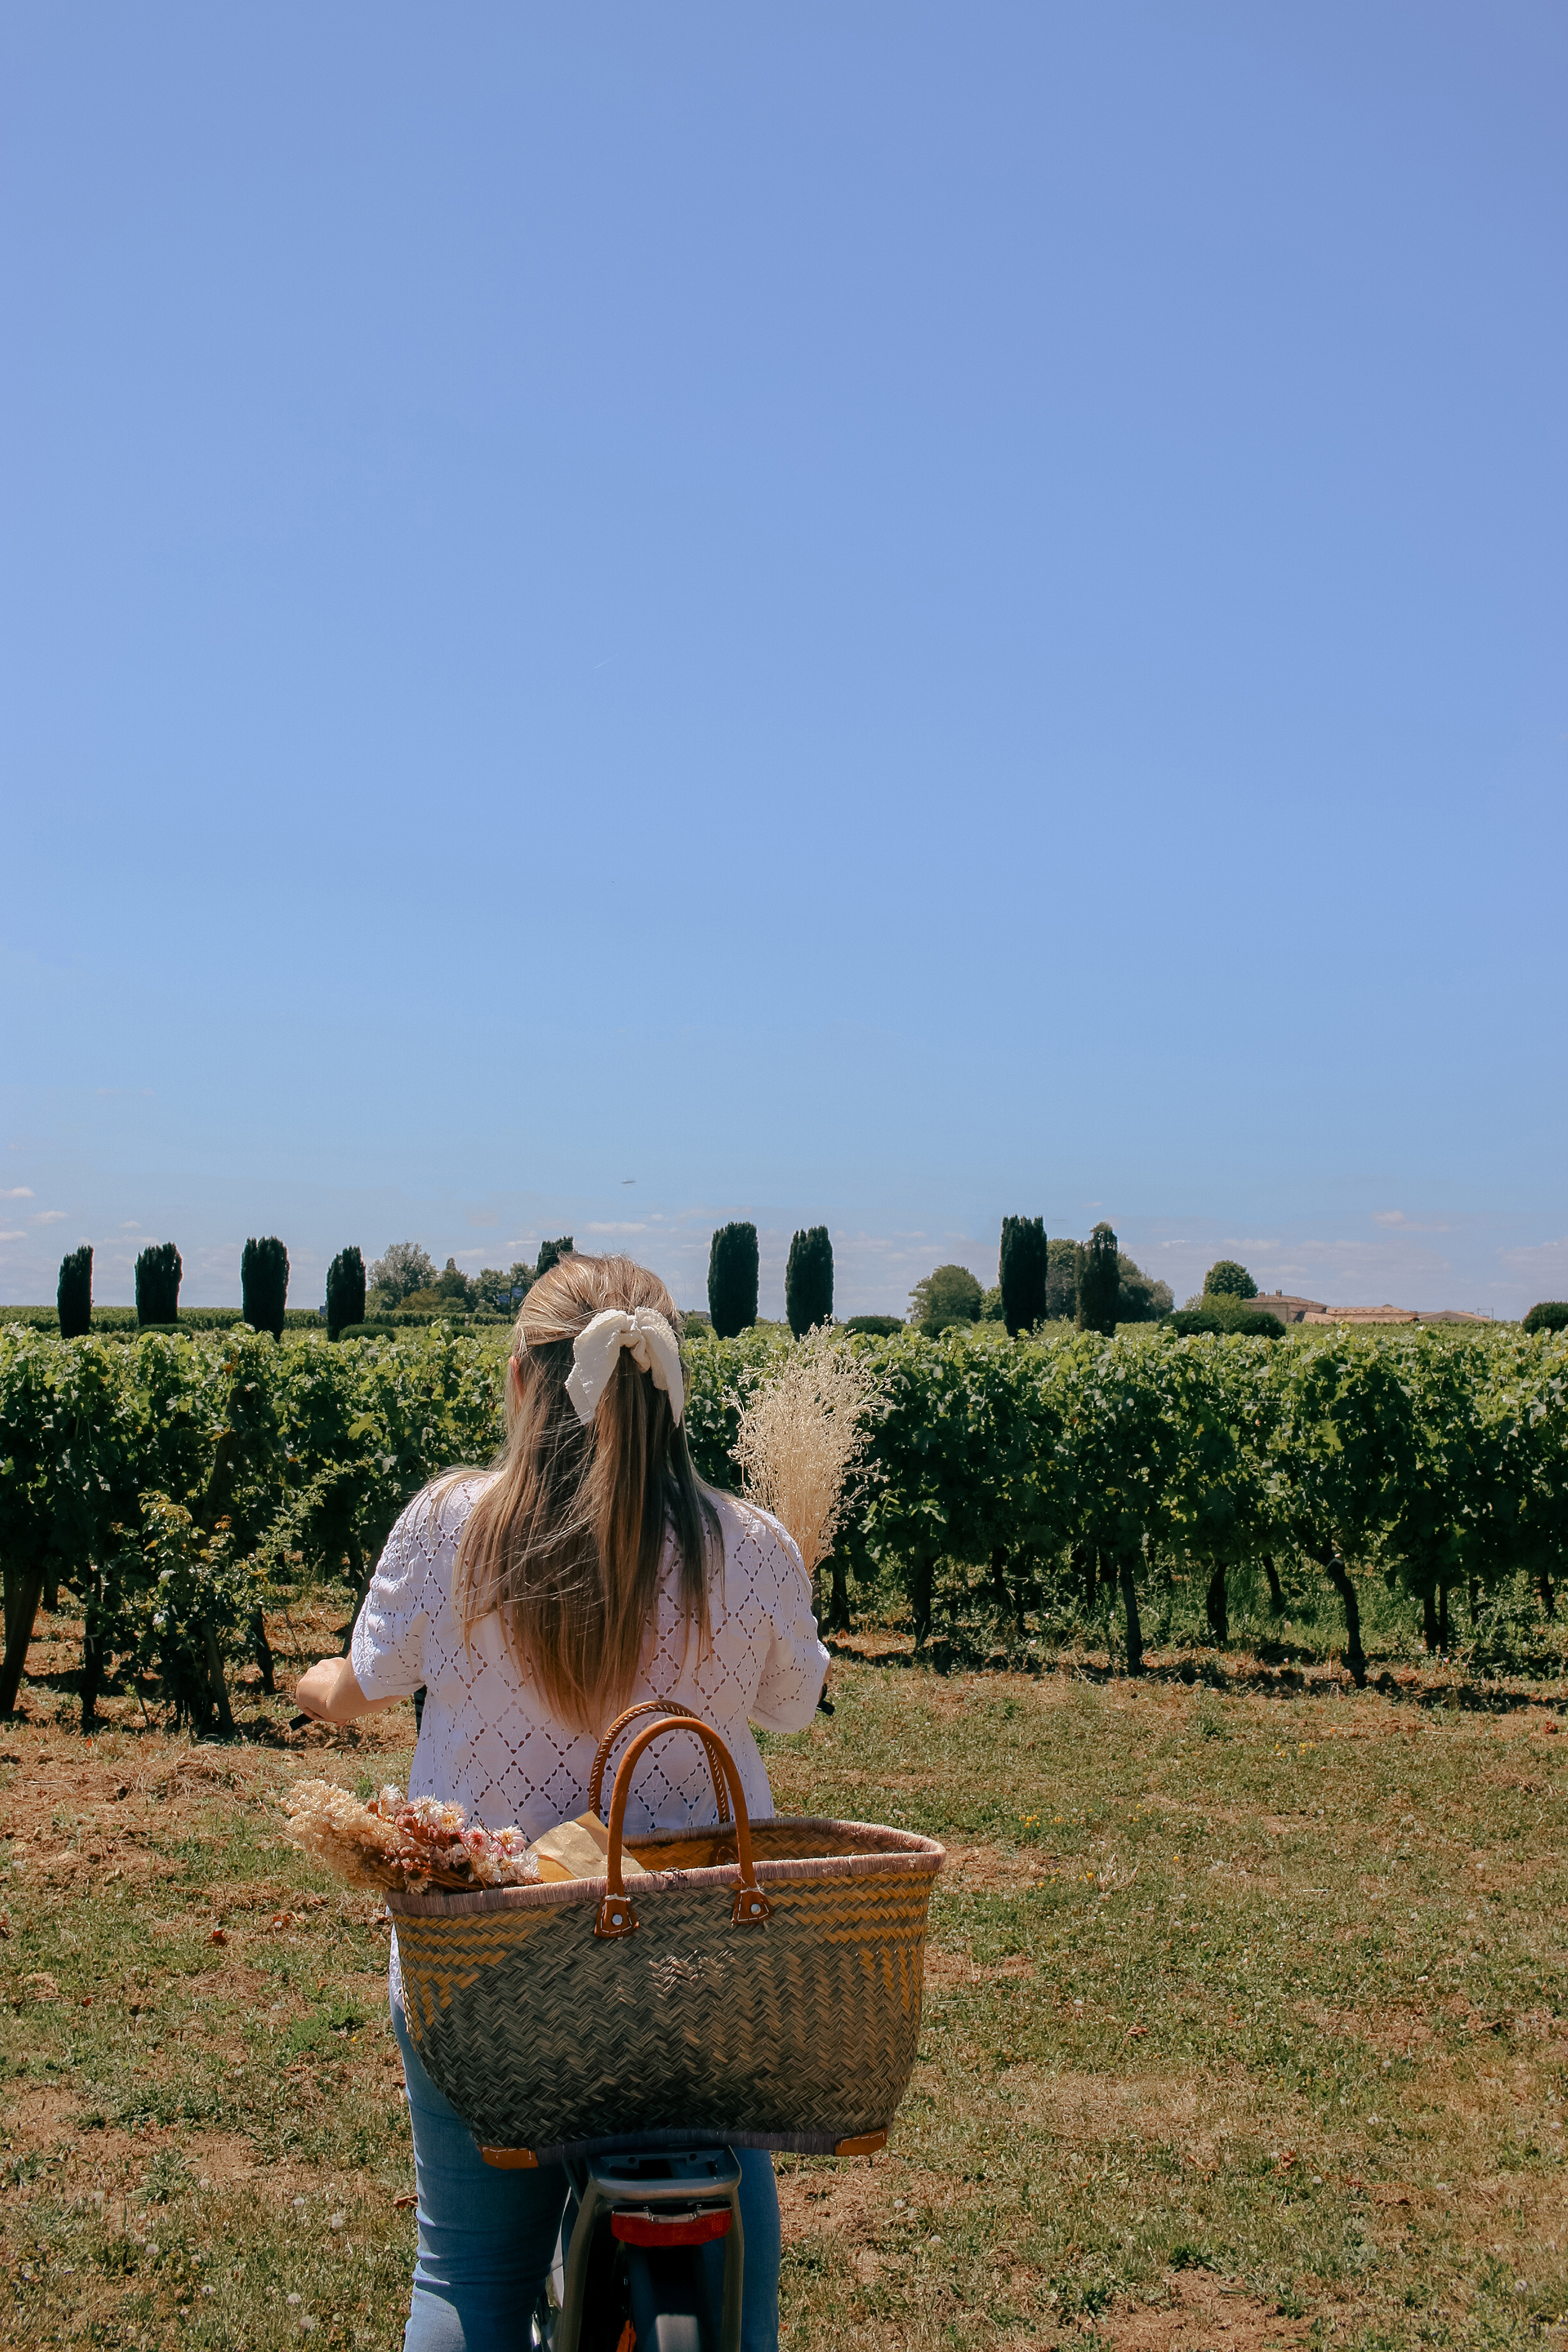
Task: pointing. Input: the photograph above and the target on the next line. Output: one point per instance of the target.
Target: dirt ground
(1243, 2026)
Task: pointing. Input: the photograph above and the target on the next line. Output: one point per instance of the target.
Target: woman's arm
(794, 1673)
(329, 1691)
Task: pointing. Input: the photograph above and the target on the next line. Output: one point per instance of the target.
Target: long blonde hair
(566, 1541)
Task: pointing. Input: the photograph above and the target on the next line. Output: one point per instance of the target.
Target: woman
(588, 1571)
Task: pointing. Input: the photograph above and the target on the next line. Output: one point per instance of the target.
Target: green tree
(496, 1285)
(552, 1253)
(925, 1476)
(1099, 1282)
(1141, 1297)
(1523, 1422)
(1234, 1522)
(1341, 1449)
(1061, 1281)
(808, 1281)
(1229, 1280)
(1548, 1315)
(74, 1295)
(189, 1603)
(455, 1289)
(404, 1268)
(158, 1272)
(1023, 1272)
(345, 1290)
(66, 1474)
(732, 1268)
(264, 1285)
(1153, 1457)
(1023, 1514)
(1439, 1514)
(950, 1294)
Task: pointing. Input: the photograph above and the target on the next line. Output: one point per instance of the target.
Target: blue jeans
(486, 2237)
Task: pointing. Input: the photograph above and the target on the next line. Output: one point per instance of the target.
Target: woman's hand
(329, 1691)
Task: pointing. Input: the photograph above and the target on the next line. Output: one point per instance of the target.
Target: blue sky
(878, 614)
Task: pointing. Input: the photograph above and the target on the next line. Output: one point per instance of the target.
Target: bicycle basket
(764, 1990)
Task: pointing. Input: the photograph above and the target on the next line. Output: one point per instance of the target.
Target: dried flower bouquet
(410, 1844)
(803, 1437)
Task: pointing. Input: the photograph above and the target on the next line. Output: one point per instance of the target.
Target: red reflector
(680, 2229)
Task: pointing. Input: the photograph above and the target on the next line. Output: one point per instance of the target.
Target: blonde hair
(566, 1541)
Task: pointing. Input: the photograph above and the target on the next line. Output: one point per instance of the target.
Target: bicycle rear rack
(661, 2205)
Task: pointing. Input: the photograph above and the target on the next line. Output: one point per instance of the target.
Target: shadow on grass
(1273, 1674)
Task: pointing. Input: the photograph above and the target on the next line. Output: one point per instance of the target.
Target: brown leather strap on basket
(751, 1906)
(602, 1755)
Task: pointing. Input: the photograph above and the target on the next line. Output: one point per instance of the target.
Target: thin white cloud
(51, 1217)
(13, 1237)
(1540, 1258)
(15, 1192)
(615, 1229)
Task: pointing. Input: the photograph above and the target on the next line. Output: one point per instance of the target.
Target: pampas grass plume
(803, 1433)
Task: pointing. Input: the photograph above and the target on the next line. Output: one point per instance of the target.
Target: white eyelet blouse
(488, 1740)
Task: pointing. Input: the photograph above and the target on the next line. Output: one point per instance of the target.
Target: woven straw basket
(765, 1989)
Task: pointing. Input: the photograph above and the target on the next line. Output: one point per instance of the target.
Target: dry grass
(802, 1433)
(1243, 2027)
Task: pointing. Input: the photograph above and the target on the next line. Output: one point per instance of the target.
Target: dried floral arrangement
(408, 1844)
(802, 1437)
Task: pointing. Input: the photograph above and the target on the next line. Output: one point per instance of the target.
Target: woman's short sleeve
(796, 1664)
(388, 1652)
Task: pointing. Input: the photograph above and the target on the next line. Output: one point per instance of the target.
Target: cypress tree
(552, 1253)
(74, 1295)
(345, 1290)
(158, 1272)
(1025, 1261)
(264, 1285)
(1099, 1282)
(808, 1281)
(732, 1280)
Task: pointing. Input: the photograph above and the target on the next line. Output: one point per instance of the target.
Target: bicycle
(635, 2261)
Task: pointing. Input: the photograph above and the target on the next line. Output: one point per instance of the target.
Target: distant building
(1357, 1315)
(1289, 1310)
(1360, 1315)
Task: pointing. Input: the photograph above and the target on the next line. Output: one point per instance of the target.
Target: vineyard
(1242, 2018)
(1016, 1496)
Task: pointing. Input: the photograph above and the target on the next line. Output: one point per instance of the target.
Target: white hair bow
(596, 1349)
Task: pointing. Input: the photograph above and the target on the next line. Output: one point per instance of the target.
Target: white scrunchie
(596, 1349)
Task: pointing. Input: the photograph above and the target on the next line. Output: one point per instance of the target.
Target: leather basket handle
(751, 1906)
(602, 1755)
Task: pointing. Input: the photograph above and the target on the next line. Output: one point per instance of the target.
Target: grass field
(1243, 2024)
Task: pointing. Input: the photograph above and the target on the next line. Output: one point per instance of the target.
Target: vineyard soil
(1244, 2025)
